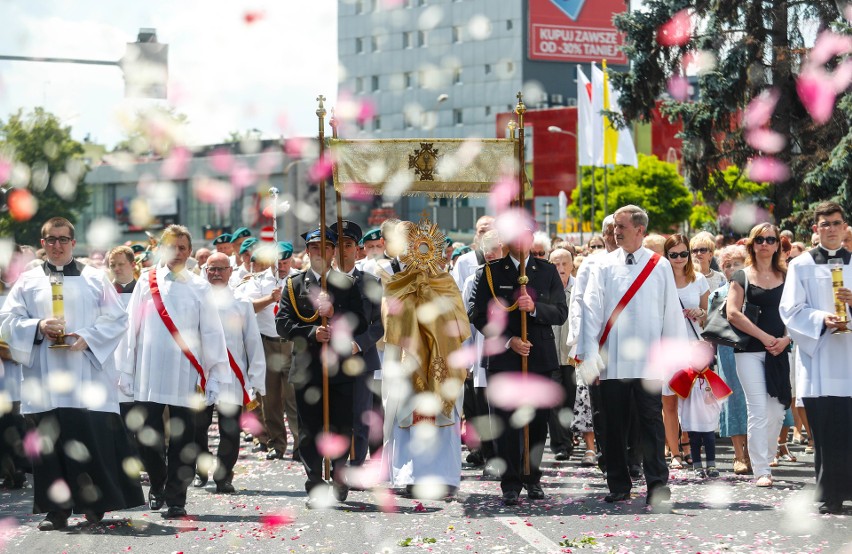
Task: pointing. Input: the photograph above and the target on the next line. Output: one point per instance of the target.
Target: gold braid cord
(511, 308)
(295, 307)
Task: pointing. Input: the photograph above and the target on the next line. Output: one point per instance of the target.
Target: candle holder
(56, 281)
(839, 306)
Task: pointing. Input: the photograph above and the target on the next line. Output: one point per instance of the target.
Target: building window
(510, 67)
(360, 124)
(457, 73)
(359, 45)
(374, 44)
(408, 79)
(509, 25)
(487, 110)
(488, 69)
(409, 3)
(359, 85)
(457, 34)
(377, 123)
(421, 2)
(457, 117)
(359, 7)
(408, 39)
(374, 83)
(421, 39)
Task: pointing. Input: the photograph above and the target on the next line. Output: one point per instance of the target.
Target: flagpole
(604, 120)
(323, 284)
(520, 109)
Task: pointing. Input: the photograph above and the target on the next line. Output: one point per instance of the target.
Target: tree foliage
(154, 130)
(654, 185)
(757, 44)
(47, 163)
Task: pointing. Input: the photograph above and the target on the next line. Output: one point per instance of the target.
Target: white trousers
(765, 413)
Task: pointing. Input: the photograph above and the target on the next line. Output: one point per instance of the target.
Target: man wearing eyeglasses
(823, 378)
(618, 332)
(69, 393)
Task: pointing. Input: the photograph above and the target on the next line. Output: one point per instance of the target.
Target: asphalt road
(268, 514)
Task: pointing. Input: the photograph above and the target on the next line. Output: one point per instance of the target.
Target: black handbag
(719, 330)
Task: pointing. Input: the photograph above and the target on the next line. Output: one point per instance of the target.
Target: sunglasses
(768, 240)
(537, 253)
(676, 255)
(701, 250)
(596, 246)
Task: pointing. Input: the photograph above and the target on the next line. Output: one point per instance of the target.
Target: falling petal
(767, 170)
(250, 16)
(671, 355)
(281, 208)
(242, 176)
(5, 171)
(677, 31)
(320, 171)
(22, 204)
(103, 233)
(213, 191)
(175, 167)
(465, 356)
(366, 111)
(332, 445)
(32, 445)
(760, 109)
(503, 193)
(841, 77)
(221, 160)
(817, 94)
(827, 46)
(678, 88)
(357, 192)
(765, 140)
(251, 424)
(514, 390)
(59, 492)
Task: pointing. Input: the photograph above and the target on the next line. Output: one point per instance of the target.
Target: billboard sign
(575, 31)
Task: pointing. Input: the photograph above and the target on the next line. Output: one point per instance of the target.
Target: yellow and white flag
(616, 145)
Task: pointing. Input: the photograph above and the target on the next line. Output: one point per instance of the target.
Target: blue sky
(225, 74)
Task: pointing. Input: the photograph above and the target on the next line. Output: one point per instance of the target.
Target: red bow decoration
(682, 382)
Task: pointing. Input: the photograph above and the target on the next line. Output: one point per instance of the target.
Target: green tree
(758, 44)
(154, 130)
(45, 148)
(727, 185)
(654, 185)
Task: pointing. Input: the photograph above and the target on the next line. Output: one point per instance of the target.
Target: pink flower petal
(503, 193)
(827, 46)
(320, 171)
(767, 170)
(5, 170)
(679, 88)
(221, 160)
(242, 176)
(366, 111)
(464, 356)
(514, 390)
(332, 445)
(22, 204)
(677, 31)
(760, 109)
(213, 191)
(250, 423)
(272, 522)
(765, 140)
(357, 192)
(671, 355)
(250, 16)
(174, 168)
(32, 445)
(841, 77)
(817, 94)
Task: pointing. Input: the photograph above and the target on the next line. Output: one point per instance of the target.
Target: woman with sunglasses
(693, 290)
(703, 247)
(763, 366)
(595, 244)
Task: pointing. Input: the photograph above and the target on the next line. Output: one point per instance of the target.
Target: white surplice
(822, 367)
(57, 377)
(10, 381)
(477, 339)
(465, 266)
(257, 287)
(575, 304)
(161, 373)
(654, 313)
(243, 340)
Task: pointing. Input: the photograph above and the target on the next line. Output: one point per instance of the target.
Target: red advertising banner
(575, 31)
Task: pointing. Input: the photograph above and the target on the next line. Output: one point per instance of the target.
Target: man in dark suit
(545, 305)
(301, 311)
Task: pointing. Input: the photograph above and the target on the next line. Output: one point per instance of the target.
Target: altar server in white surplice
(162, 373)
(69, 394)
(823, 368)
(652, 314)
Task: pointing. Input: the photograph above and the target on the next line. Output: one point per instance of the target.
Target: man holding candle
(69, 393)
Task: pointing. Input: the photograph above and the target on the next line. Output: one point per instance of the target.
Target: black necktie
(630, 260)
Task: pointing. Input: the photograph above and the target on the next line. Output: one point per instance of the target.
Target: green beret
(247, 245)
(240, 233)
(372, 234)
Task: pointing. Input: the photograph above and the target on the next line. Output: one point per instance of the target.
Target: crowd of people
(387, 347)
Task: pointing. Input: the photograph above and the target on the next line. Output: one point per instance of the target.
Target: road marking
(530, 534)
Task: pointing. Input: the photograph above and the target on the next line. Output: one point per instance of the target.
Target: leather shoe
(563, 455)
(510, 498)
(475, 459)
(225, 487)
(831, 507)
(635, 471)
(658, 494)
(94, 517)
(274, 454)
(156, 499)
(260, 447)
(535, 492)
(53, 522)
(175, 512)
(340, 491)
(200, 480)
(617, 497)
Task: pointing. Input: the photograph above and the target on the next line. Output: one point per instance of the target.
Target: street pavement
(268, 514)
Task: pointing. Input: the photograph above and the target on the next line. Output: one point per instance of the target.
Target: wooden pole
(520, 109)
(323, 284)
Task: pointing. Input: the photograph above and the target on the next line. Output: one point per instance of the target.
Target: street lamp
(559, 130)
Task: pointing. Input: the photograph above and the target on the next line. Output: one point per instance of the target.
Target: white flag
(625, 152)
(585, 131)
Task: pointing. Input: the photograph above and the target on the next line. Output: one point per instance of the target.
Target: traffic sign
(267, 234)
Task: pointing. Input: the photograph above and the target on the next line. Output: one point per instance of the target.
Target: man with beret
(302, 309)
(222, 244)
(264, 292)
(373, 243)
(245, 266)
(237, 237)
(366, 359)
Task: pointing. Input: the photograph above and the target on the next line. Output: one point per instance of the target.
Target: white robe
(243, 340)
(10, 380)
(237, 276)
(653, 314)
(161, 373)
(60, 378)
(465, 266)
(575, 307)
(477, 339)
(822, 366)
(257, 287)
